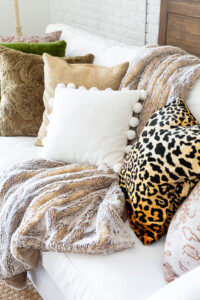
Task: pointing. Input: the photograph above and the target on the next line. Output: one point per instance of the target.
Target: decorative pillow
(161, 169)
(182, 246)
(57, 71)
(54, 48)
(22, 87)
(45, 38)
(90, 126)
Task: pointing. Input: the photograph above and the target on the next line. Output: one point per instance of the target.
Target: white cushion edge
(186, 287)
(74, 284)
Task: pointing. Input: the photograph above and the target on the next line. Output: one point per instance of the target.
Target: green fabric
(53, 48)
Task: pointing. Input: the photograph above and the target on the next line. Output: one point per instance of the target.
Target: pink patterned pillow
(182, 246)
(45, 38)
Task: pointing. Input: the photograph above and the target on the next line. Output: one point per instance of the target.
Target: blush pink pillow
(45, 38)
(182, 246)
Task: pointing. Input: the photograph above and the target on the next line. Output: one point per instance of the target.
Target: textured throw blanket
(165, 73)
(48, 206)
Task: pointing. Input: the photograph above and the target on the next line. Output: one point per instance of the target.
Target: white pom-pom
(131, 134)
(71, 86)
(125, 89)
(59, 87)
(94, 89)
(128, 148)
(82, 87)
(51, 102)
(108, 90)
(134, 122)
(143, 95)
(117, 168)
(137, 108)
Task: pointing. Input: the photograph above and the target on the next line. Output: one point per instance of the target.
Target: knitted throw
(48, 206)
(165, 73)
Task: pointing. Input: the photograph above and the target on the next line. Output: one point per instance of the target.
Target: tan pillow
(182, 246)
(56, 71)
(22, 87)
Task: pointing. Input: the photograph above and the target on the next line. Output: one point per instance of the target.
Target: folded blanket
(48, 206)
(165, 73)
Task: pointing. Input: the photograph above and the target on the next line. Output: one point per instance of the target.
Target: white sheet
(107, 52)
(16, 149)
(134, 274)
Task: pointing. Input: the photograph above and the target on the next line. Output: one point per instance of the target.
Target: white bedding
(83, 277)
(16, 149)
(133, 274)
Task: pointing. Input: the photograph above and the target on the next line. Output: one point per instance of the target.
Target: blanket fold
(166, 73)
(49, 206)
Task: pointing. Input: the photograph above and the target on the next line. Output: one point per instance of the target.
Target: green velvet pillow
(53, 48)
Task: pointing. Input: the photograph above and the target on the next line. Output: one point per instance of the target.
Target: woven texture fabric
(165, 73)
(9, 293)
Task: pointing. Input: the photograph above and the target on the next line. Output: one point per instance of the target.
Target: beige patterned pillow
(44, 38)
(57, 71)
(22, 87)
(182, 246)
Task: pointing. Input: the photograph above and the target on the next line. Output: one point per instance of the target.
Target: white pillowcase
(91, 126)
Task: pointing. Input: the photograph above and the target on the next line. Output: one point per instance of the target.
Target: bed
(67, 276)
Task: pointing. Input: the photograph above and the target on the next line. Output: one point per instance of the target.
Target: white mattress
(137, 271)
(16, 149)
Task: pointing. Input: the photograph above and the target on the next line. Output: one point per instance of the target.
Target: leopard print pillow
(161, 169)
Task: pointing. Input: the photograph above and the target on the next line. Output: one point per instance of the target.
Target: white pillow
(193, 100)
(91, 126)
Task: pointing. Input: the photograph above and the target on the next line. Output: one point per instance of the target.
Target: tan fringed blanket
(48, 206)
(165, 73)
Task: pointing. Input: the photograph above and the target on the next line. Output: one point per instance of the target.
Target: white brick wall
(153, 13)
(122, 20)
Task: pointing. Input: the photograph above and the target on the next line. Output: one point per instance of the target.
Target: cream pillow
(90, 126)
(56, 70)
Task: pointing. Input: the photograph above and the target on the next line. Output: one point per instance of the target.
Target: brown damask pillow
(22, 87)
(57, 71)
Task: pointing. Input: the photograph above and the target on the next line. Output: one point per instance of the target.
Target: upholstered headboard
(180, 24)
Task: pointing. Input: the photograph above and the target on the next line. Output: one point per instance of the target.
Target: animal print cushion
(161, 169)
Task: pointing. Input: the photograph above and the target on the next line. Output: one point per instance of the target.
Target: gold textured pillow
(22, 87)
(57, 71)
